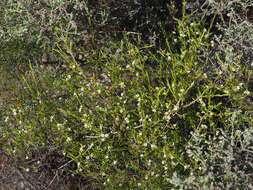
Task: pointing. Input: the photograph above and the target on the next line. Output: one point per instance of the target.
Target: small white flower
(246, 92)
(68, 139)
(175, 108)
(114, 162)
(6, 119)
(80, 109)
(14, 112)
(139, 184)
(122, 85)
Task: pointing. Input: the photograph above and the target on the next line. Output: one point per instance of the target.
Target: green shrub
(124, 116)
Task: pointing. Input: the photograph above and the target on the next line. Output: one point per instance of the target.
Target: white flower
(68, 139)
(80, 109)
(246, 92)
(6, 119)
(175, 108)
(122, 85)
(14, 112)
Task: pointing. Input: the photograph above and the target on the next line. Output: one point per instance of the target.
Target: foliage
(129, 117)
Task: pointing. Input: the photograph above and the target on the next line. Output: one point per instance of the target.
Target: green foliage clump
(130, 118)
